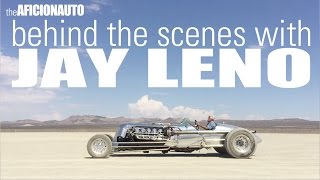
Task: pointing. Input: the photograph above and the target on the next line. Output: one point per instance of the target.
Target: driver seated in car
(211, 125)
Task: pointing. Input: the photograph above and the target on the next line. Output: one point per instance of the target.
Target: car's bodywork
(183, 137)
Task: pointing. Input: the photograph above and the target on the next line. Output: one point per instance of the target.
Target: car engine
(143, 133)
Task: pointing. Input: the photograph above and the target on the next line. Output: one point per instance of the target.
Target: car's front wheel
(240, 143)
(99, 146)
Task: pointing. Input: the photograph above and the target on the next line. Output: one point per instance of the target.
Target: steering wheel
(196, 125)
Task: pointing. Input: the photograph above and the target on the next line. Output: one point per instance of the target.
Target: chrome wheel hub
(99, 146)
(242, 144)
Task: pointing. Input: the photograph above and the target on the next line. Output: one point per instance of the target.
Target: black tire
(111, 138)
(221, 150)
(240, 143)
(99, 146)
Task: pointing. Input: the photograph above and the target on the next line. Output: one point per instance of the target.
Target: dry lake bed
(59, 155)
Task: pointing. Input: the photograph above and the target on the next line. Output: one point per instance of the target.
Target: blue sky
(267, 102)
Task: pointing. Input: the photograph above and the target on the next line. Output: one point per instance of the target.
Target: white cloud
(9, 66)
(102, 2)
(223, 117)
(146, 107)
(93, 7)
(46, 117)
(9, 70)
(29, 95)
(150, 108)
(96, 5)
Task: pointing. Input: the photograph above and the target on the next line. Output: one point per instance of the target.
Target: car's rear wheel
(240, 143)
(99, 146)
(221, 150)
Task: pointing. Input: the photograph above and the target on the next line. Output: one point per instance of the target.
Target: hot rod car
(184, 137)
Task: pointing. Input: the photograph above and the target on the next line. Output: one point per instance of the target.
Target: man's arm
(203, 127)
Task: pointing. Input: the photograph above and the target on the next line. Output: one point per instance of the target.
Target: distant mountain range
(82, 121)
(100, 122)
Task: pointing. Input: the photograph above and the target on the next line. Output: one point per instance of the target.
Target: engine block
(148, 133)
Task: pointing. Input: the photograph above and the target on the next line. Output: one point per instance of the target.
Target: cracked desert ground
(59, 155)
